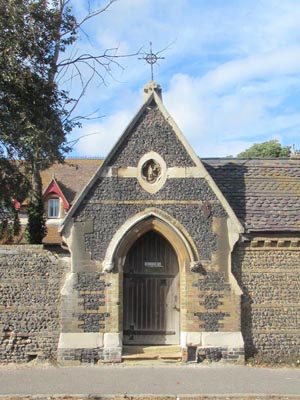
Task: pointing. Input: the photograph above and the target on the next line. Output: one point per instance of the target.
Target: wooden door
(151, 292)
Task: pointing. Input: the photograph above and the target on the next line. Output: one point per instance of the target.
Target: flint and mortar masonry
(270, 280)
(30, 283)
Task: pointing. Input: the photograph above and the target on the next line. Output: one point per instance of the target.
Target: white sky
(230, 77)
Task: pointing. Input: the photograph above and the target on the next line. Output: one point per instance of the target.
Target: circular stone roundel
(152, 172)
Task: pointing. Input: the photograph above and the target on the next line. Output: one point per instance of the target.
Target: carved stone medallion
(151, 171)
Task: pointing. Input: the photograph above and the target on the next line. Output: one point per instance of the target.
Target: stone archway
(177, 241)
(158, 221)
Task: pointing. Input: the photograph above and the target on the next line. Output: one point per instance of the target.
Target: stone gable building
(200, 257)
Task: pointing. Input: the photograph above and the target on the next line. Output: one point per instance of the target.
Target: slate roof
(264, 193)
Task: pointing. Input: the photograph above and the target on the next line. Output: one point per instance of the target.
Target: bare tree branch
(73, 143)
(83, 91)
(94, 13)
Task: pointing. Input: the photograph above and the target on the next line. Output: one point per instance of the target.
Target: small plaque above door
(153, 264)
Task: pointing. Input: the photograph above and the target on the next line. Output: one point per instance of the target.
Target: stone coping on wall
(263, 243)
(19, 248)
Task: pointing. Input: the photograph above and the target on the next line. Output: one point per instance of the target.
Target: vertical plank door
(151, 292)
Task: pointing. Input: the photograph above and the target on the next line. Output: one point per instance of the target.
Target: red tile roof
(72, 176)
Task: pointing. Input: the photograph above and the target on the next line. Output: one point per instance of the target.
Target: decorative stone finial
(150, 88)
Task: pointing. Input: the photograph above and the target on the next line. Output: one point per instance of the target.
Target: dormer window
(56, 205)
(53, 208)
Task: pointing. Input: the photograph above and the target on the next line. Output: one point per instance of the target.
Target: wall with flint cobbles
(208, 301)
(30, 281)
(269, 278)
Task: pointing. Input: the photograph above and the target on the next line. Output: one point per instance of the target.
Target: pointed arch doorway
(151, 289)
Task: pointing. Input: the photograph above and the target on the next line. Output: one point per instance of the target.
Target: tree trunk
(36, 226)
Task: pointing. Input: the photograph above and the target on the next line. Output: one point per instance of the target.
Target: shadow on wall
(246, 303)
(231, 179)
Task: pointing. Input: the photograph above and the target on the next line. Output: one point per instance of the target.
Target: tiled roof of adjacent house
(72, 176)
(264, 193)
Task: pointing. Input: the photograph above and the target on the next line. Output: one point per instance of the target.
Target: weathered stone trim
(153, 202)
(274, 305)
(187, 172)
(131, 223)
(271, 244)
(275, 271)
(276, 331)
(229, 345)
(74, 237)
(15, 248)
(172, 172)
(80, 340)
(147, 202)
(89, 347)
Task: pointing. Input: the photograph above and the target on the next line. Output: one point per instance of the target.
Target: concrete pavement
(178, 380)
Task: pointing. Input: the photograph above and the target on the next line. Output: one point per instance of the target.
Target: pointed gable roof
(55, 188)
(153, 95)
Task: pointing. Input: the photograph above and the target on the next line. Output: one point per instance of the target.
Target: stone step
(165, 353)
(156, 350)
(139, 357)
(171, 356)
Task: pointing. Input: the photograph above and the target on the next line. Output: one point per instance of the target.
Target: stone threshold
(171, 352)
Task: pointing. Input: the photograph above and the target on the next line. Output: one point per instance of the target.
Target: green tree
(14, 187)
(35, 114)
(271, 148)
(36, 227)
(31, 108)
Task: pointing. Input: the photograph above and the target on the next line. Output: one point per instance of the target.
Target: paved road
(172, 380)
